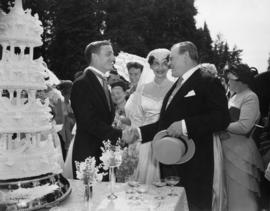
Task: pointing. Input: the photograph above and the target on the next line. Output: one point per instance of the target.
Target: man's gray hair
(189, 47)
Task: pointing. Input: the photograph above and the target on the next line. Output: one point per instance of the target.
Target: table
(101, 203)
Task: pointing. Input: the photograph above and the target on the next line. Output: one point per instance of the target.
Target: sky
(244, 23)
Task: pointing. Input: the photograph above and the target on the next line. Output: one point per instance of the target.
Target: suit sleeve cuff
(140, 134)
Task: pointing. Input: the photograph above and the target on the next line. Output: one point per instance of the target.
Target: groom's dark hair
(189, 47)
(94, 47)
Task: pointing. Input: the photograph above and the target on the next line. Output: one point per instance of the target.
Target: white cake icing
(30, 117)
(29, 145)
(18, 71)
(29, 158)
(19, 27)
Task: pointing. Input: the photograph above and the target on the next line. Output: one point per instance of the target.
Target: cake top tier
(19, 27)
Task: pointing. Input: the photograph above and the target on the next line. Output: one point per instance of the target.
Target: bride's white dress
(143, 108)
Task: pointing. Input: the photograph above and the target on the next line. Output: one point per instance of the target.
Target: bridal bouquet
(111, 154)
(88, 172)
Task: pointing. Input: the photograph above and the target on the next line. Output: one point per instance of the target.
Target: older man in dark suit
(195, 106)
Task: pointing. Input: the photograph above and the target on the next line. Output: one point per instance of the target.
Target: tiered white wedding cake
(30, 153)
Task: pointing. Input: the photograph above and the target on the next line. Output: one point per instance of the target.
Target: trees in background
(134, 26)
(223, 55)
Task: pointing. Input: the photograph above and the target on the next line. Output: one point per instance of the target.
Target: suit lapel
(98, 87)
(181, 92)
(166, 98)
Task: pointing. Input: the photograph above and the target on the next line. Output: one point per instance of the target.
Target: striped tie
(105, 88)
(177, 87)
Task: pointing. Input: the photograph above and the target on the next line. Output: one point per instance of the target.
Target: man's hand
(123, 122)
(267, 172)
(175, 129)
(130, 135)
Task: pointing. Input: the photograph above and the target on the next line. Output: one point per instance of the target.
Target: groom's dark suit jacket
(93, 117)
(204, 114)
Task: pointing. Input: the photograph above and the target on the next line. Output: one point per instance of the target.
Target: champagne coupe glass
(133, 183)
(159, 184)
(172, 181)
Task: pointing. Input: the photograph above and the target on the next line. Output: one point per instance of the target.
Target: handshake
(129, 134)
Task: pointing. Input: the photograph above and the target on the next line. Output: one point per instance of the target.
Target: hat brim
(189, 143)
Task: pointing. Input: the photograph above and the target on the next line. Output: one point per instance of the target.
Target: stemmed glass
(141, 190)
(159, 184)
(133, 183)
(115, 163)
(172, 181)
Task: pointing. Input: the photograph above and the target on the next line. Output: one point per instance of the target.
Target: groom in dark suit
(195, 106)
(92, 104)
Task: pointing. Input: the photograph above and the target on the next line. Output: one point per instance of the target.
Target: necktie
(105, 88)
(177, 87)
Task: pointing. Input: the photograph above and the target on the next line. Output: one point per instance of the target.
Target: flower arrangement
(111, 158)
(111, 154)
(88, 172)
(130, 159)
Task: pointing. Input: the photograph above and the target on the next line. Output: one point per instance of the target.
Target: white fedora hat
(170, 150)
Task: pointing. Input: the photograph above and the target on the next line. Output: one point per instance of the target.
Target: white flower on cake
(111, 154)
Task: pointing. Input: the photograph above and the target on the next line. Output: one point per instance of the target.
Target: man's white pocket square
(190, 93)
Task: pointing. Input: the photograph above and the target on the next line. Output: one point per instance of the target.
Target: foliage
(223, 56)
(133, 26)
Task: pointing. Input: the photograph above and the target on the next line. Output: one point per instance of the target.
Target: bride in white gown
(144, 105)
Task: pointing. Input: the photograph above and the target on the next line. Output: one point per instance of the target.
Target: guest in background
(68, 117)
(134, 72)
(262, 82)
(118, 90)
(262, 134)
(55, 103)
(115, 77)
(241, 157)
(56, 100)
(68, 167)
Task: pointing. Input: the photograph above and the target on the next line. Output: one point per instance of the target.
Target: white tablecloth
(100, 202)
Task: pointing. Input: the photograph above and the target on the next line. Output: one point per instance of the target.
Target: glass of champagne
(133, 183)
(159, 184)
(172, 181)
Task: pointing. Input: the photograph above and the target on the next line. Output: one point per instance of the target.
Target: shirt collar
(96, 71)
(187, 74)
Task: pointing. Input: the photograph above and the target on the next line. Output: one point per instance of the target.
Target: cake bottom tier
(31, 160)
(33, 193)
